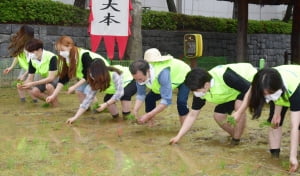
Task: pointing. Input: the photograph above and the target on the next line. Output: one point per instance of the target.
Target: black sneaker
(235, 141)
(275, 153)
(115, 116)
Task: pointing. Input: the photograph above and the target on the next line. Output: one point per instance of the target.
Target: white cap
(153, 55)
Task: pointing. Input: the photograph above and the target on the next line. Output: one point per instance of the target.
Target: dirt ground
(35, 140)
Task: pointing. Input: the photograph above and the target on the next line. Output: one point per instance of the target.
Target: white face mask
(199, 94)
(66, 55)
(32, 56)
(145, 82)
(273, 97)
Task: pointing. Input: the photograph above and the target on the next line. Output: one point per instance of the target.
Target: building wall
(214, 8)
(269, 46)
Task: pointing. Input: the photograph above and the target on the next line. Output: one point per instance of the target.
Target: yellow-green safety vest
(126, 75)
(220, 92)
(93, 55)
(290, 75)
(178, 71)
(23, 60)
(42, 67)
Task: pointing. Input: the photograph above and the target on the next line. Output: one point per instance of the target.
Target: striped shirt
(118, 81)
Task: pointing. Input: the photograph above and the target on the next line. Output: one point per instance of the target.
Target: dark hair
(98, 75)
(19, 40)
(196, 78)
(139, 65)
(33, 45)
(266, 79)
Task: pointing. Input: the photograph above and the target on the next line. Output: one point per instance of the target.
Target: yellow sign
(193, 45)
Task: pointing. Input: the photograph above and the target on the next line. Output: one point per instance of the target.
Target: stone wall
(269, 46)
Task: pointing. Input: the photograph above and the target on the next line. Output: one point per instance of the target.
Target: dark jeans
(182, 97)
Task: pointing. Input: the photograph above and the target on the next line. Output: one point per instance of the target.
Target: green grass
(231, 120)
(265, 124)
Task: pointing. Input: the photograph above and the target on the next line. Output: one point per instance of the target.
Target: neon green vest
(178, 70)
(93, 55)
(23, 60)
(291, 76)
(42, 68)
(126, 75)
(220, 92)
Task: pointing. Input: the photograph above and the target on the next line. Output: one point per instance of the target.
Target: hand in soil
(293, 165)
(174, 140)
(70, 120)
(95, 106)
(102, 107)
(144, 119)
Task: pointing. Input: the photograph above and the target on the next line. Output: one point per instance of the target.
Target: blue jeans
(84, 88)
(182, 97)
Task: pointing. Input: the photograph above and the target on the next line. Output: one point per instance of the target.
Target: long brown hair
(98, 75)
(19, 40)
(64, 69)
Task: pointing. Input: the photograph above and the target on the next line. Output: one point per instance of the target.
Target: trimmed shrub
(56, 13)
(173, 21)
(41, 12)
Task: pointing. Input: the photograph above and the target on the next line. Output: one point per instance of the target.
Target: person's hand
(236, 116)
(102, 107)
(50, 98)
(293, 165)
(19, 85)
(275, 121)
(70, 120)
(7, 70)
(174, 140)
(27, 85)
(71, 89)
(144, 119)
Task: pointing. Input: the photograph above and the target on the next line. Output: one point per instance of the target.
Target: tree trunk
(171, 6)
(179, 6)
(241, 49)
(79, 3)
(295, 38)
(288, 13)
(235, 10)
(134, 48)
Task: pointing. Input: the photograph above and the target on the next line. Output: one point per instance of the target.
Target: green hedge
(173, 21)
(57, 13)
(41, 12)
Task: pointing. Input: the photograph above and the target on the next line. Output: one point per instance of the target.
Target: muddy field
(35, 140)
